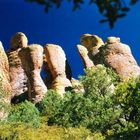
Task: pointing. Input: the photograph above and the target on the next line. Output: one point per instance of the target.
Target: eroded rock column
(18, 78)
(85, 57)
(32, 61)
(5, 87)
(56, 60)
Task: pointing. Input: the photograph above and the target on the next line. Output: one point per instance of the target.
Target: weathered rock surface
(5, 87)
(18, 78)
(92, 43)
(32, 61)
(118, 56)
(89, 48)
(56, 60)
(85, 56)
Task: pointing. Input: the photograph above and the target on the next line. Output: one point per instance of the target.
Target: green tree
(96, 109)
(25, 112)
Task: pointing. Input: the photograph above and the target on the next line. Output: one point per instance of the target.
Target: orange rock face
(18, 78)
(32, 61)
(56, 60)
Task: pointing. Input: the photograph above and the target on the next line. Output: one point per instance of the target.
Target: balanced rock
(56, 60)
(92, 43)
(18, 78)
(118, 56)
(5, 87)
(89, 48)
(32, 61)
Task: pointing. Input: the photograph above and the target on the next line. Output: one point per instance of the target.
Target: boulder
(92, 43)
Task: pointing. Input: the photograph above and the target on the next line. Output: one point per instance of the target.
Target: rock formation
(118, 56)
(22, 79)
(32, 61)
(56, 60)
(89, 48)
(85, 57)
(5, 87)
(18, 78)
(112, 54)
(92, 43)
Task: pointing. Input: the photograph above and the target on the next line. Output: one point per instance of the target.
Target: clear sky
(64, 27)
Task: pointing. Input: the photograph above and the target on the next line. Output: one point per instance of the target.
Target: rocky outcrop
(56, 60)
(32, 61)
(113, 54)
(26, 62)
(5, 87)
(118, 56)
(18, 78)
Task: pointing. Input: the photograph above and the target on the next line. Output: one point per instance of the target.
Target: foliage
(96, 109)
(110, 9)
(128, 96)
(20, 131)
(110, 108)
(24, 112)
(50, 104)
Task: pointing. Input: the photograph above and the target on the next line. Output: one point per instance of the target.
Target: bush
(128, 96)
(50, 105)
(20, 131)
(96, 109)
(24, 112)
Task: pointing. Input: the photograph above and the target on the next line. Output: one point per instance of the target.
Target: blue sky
(64, 27)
